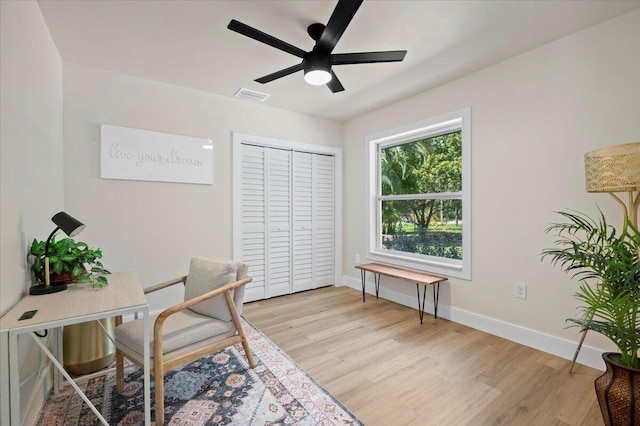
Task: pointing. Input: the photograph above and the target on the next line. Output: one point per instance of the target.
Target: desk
(80, 303)
(407, 275)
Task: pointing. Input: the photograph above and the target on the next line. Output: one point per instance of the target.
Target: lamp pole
(47, 275)
(614, 169)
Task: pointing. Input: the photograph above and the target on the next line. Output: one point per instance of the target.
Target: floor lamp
(614, 169)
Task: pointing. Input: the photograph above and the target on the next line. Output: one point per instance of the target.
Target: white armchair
(206, 322)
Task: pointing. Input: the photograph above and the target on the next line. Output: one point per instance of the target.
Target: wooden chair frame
(160, 364)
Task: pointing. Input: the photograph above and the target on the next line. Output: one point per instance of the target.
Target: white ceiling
(187, 43)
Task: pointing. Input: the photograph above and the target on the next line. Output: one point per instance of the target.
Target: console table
(79, 303)
(417, 277)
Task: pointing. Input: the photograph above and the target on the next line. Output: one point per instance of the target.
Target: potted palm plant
(606, 264)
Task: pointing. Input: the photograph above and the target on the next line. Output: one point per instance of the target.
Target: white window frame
(434, 126)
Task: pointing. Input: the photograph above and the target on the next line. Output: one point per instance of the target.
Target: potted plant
(68, 262)
(607, 266)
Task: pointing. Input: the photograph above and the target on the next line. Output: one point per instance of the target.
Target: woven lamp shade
(613, 169)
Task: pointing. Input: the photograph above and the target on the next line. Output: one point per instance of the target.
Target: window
(419, 210)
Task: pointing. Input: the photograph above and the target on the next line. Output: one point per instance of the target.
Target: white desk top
(78, 301)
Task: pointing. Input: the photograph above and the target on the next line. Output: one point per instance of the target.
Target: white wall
(533, 118)
(30, 150)
(152, 227)
(31, 135)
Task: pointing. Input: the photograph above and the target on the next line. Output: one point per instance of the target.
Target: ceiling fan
(317, 63)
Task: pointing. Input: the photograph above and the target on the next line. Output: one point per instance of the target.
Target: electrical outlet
(357, 258)
(521, 290)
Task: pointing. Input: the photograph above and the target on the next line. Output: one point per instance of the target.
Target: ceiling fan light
(317, 68)
(317, 77)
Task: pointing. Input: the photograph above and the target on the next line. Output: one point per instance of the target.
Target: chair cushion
(243, 270)
(206, 275)
(238, 293)
(181, 329)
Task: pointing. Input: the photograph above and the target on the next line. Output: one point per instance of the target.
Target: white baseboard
(554, 345)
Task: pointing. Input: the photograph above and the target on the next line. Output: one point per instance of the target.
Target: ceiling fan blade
(334, 85)
(340, 18)
(265, 38)
(367, 57)
(279, 74)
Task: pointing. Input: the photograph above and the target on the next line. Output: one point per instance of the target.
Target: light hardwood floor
(387, 369)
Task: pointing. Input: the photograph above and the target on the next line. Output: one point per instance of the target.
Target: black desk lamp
(69, 226)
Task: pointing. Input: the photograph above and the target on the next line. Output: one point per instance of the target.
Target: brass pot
(618, 391)
(86, 347)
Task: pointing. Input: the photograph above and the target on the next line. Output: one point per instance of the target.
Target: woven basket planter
(618, 391)
(64, 278)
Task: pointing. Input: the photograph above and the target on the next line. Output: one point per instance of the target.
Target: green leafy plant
(607, 267)
(67, 256)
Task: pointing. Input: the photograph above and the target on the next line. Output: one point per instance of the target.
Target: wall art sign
(135, 154)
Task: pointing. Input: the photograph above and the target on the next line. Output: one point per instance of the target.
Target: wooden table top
(79, 300)
(402, 273)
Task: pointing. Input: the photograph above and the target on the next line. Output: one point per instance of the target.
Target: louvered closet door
(287, 220)
(323, 191)
(278, 205)
(313, 224)
(253, 219)
(303, 221)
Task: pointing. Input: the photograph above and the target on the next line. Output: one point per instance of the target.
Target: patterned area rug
(219, 389)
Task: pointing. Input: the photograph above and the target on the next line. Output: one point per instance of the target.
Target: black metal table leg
(376, 278)
(424, 296)
(436, 296)
(362, 276)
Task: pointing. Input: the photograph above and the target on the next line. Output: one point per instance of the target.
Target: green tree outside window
(427, 175)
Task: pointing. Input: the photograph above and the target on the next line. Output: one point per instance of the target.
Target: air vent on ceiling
(251, 94)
